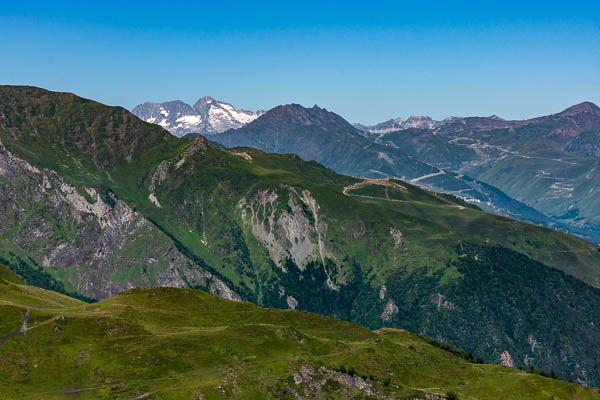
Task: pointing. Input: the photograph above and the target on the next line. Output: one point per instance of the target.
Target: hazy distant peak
(586, 106)
(414, 121)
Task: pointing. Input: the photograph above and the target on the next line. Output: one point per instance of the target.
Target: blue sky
(367, 61)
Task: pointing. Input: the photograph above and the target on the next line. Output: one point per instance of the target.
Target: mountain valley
(548, 163)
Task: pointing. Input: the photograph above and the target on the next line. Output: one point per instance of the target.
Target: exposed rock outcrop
(103, 244)
(293, 229)
(506, 359)
(389, 311)
(309, 381)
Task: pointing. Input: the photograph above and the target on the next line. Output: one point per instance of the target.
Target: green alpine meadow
(419, 292)
(169, 343)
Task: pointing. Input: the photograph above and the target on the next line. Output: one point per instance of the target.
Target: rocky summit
(414, 121)
(207, 116)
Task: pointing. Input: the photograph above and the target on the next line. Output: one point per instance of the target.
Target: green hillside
(421, 156)
(179, 343)
(99, 202)
(550, 163)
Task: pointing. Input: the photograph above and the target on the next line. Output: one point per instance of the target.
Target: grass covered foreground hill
(95, 202)
(182, 344)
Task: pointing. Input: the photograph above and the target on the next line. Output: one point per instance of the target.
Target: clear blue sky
(368, 61)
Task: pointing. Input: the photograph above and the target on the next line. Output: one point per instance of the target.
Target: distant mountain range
(414, 121)
(540, 170)
(549, 163)
(321, 135)
(207, 116)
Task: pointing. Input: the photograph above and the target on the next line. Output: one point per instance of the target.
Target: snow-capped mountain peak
(414, 121)
(208, 116)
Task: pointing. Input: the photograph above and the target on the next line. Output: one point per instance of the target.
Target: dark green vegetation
(486, 304)
(35, 275)
(183, 344)
(104, 202)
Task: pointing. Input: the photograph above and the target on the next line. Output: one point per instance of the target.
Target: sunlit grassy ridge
(180, 343)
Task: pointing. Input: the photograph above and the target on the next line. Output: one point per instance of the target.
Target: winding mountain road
(372, 181)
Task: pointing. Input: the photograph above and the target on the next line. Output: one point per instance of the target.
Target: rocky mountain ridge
(414, 121)
(106, 231)
(574, 120)
(207, 116)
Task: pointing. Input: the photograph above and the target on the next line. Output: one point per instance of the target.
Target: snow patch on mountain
(396, 124)
(207, 117)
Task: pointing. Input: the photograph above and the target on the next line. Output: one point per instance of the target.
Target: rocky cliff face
(86, 234)
(289, 230)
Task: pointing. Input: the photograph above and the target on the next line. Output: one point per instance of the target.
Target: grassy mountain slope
(120, 203)
(432, 161)
(564, 188)
(178, 343)
(59, 212)
(554, 248)
(549, 163)
(323, 136)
